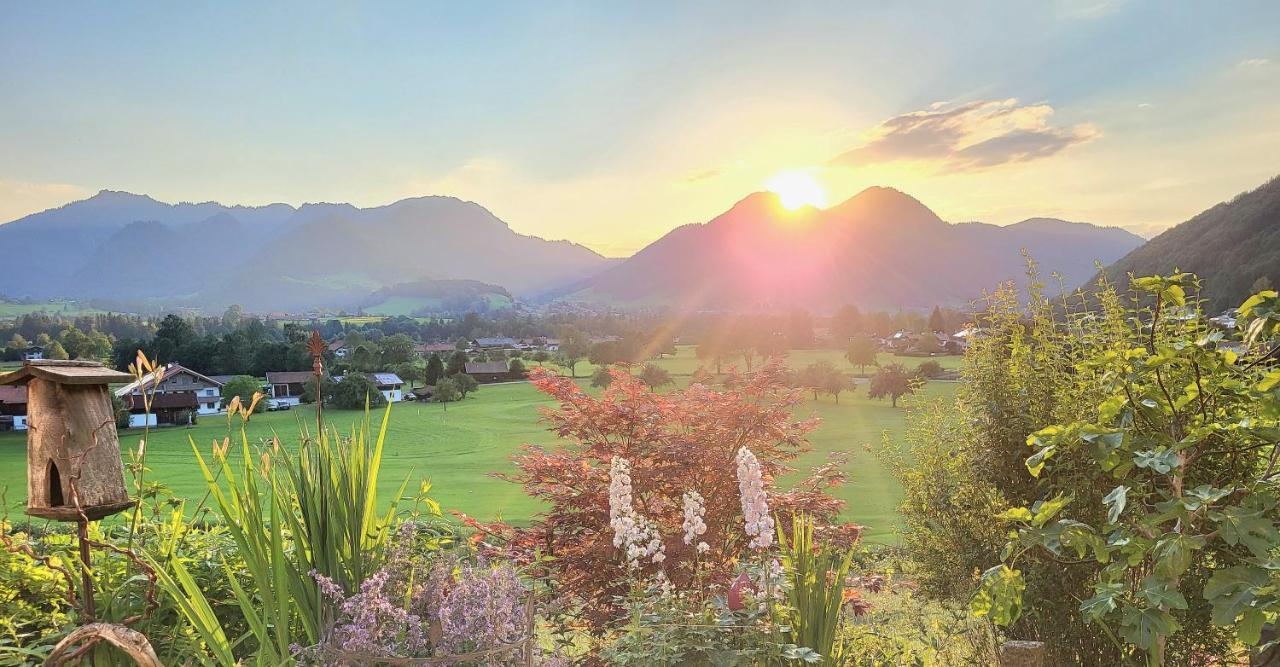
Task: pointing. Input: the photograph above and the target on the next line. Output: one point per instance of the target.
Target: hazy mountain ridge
(1230, 246)
(127, 246)
(881, 248)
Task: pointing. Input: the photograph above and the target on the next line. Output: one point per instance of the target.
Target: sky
(611, 123)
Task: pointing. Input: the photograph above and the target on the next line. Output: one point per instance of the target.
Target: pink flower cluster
(637, 536)
(695, 508)
(757, 521)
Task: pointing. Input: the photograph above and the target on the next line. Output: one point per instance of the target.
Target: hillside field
(456, 448)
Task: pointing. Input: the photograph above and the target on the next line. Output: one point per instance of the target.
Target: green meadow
(457, 445)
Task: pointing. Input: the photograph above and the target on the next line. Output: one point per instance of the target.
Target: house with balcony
(178, 395)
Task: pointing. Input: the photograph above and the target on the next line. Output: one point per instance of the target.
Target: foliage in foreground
(1187, 433)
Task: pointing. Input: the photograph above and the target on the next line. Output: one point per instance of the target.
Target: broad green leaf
(999, 596)
(1157, 593)
(1035, 462)
(1238, 525)
(1115, 501)
(1160, 459)
(1173, 553)
(1235, 591)
(1144, 627)
(1203, 495)
(1043, 511)
(1103, 601)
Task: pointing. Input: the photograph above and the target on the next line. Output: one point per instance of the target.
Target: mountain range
(881, 249)
(132, 248)
(1233, 247)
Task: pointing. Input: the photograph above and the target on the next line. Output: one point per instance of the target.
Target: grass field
(68, 308)
(457, 448)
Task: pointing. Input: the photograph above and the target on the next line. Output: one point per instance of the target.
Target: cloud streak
(969, 136)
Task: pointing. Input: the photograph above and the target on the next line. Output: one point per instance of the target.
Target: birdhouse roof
(65, 372)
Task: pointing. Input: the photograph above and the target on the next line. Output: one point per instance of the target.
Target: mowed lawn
(457, 448)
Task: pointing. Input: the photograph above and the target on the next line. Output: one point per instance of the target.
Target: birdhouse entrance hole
(55, 486)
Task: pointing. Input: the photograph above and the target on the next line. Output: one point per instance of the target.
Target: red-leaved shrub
(675, 442)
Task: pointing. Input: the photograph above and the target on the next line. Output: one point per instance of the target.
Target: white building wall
(393, 395)
(20, 422)
(141, 420)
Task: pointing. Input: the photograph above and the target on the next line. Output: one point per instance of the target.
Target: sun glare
(796, 189)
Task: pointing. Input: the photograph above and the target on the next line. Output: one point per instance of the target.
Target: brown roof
(164, 401)
(486, 367)
(289, 377)
(337, 345)
(13, 395)
(65, 372)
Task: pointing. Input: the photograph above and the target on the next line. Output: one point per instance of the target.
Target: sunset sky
(610, 125)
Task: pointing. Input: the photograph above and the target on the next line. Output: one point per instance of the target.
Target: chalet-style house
(488, 371)
(32, 353)
(338, 349)
(13, 407)
(285, 387)
(390, 384)
(179, 393)
(501, 343)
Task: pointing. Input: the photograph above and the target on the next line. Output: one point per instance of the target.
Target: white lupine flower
(635, 535)
(757, 521)
(694, 509)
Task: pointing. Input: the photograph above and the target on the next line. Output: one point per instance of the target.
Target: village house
(338, 349)
(13, 407)
(442, 349)
(32, 353)
(488, 371)
(500, 343)
(179, 394)
(390, 384)
(286, 387)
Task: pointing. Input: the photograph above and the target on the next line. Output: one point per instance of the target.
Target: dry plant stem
(133, 643)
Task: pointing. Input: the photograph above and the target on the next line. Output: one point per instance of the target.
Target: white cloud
(968, 136)
(1252, 63)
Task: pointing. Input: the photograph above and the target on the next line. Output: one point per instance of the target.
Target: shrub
(245, 387)
(1182, 439)
(963, 464)
(681, 441)
(929, 369)
(354, 392)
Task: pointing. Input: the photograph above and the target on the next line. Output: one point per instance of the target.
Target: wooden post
(1016, 653)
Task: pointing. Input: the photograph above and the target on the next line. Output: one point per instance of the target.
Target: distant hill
(1230, 247)
(881, 249)
(131, 247)
(438, 297)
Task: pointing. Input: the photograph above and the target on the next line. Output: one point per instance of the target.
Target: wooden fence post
(1022, 654)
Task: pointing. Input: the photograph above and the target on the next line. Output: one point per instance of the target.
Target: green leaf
(1203, 495)
(1043, 511)
(1015, 514)
(1238, 591)
(1035, 462)
(1103, 601)
(1238, 525)
(999, 596)
(1157, 593)
(1144, 627)
(1160, 459)
(1173, 553)
(1115, 501)
(1249, 629)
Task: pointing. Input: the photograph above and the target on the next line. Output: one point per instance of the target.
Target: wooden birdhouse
(73, 452)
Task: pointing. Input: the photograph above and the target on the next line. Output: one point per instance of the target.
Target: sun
(796, 189)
